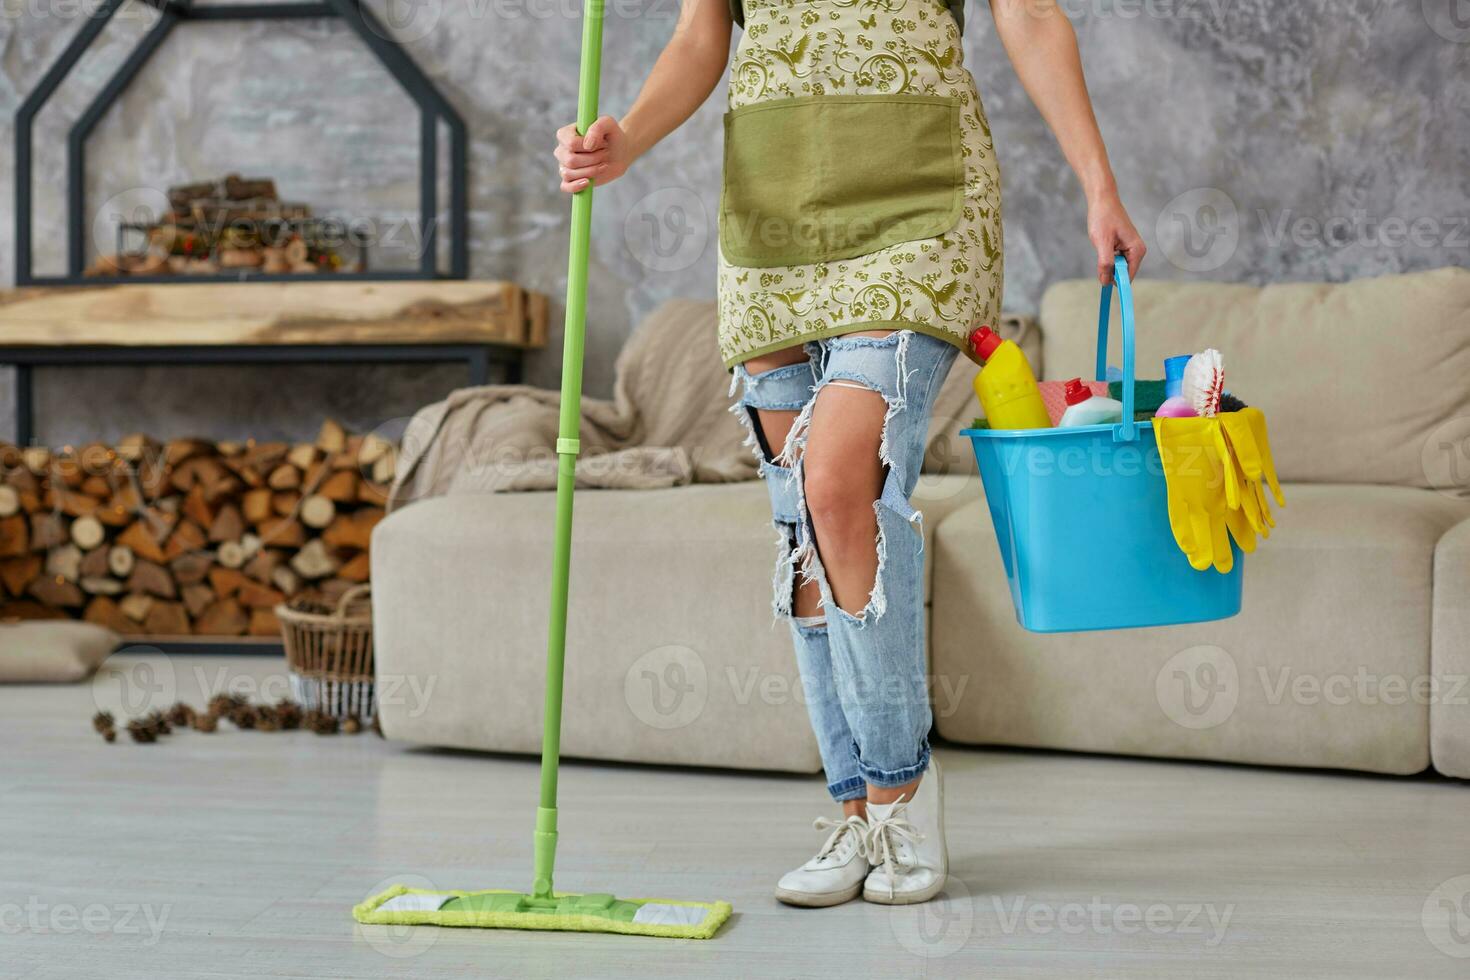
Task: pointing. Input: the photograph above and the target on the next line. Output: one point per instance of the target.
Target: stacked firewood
(188, 536)
(230, 225)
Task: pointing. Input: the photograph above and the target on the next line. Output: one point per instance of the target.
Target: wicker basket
(329, 652)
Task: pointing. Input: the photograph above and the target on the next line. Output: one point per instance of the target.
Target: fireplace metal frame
(434, 109)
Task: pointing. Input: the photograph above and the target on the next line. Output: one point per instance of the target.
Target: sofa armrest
(1449, 657)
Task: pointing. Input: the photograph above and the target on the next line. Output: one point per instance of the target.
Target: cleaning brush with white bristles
(1204, 382)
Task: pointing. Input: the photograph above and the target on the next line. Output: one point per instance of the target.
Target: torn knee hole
(843, 518)
(806, 597)
(758, 431)
(796, 585)
(840, 531)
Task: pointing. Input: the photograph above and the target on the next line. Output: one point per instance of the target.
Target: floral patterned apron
(861, 188)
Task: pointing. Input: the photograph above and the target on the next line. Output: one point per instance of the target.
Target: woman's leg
(857, 450)
(771, 427)
(843, 479)
(777, 387)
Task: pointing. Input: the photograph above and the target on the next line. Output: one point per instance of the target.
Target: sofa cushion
(52, 651)
(672, 655)
(1320, 668)
(671, 652)
(1355, 378)
(937, 497)
(1449, 714)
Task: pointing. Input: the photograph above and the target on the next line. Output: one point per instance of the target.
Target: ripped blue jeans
(865, 676)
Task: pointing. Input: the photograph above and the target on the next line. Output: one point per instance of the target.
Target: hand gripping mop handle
(566, 468)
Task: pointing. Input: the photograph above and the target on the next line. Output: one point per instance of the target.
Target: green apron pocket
(828, 177)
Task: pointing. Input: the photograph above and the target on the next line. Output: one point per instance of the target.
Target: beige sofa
(1352, 650)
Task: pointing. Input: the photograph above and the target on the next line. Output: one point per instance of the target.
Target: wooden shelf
(235, 314)
(347, 322)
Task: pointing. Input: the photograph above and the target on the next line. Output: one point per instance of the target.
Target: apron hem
(855, 326)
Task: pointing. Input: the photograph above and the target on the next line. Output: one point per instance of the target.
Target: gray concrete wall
(1254, 140)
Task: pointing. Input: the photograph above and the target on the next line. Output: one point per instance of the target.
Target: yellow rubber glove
(1245, 521)
(1230, 468)
(1194, 456)
(1245, 458)
(1242, 512)
(1257, 420)
(1241, 430)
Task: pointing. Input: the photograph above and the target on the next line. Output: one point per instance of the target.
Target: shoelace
(885, 835)
(856, 826)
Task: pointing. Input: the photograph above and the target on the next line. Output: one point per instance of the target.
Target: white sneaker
(837, 872)
(907, 847)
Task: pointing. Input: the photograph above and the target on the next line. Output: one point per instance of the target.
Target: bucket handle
(1127, 430)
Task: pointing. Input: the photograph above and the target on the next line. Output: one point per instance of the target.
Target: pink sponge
(1053, 395)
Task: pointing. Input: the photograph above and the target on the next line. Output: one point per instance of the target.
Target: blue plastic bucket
(1082, 518)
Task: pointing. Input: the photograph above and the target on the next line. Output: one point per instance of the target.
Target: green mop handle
(566, 468)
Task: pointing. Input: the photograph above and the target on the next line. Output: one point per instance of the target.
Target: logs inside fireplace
(231, 225)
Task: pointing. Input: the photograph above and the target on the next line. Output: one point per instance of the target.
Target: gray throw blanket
(667, 424)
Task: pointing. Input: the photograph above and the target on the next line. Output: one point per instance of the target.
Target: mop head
(666, 918)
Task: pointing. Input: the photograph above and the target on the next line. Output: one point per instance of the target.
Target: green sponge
(1147, 395)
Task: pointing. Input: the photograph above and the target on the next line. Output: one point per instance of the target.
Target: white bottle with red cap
(1085, 408)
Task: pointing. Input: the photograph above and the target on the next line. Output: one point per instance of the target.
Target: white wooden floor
(241, 854)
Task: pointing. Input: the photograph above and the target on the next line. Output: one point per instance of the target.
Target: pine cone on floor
(141, 732)
(109, 735)
(223, 704)
(180, 715)
(321, 723)
(243, 717)
(289, 714)
(102, 721)
(351, 726)
(206, 723)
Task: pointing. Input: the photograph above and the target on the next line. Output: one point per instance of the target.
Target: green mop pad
(544, 908)
(662, 917)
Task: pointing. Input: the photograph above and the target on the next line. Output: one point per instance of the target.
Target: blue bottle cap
(1174, 373)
